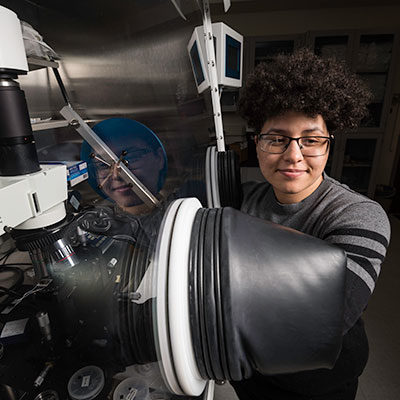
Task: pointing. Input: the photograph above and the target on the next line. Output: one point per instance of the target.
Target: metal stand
(212, 75)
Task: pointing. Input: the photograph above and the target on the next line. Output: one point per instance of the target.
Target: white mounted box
(198, 59)
(228, 45)
(12, 50)
(33, 200)
(77, 171)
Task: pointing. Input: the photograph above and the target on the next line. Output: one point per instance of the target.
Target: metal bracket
(209, 391)
(145, 290)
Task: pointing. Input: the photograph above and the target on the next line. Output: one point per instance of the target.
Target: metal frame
(212, 75)
(341, 147)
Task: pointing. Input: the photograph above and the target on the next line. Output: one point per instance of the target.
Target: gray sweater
(338, 215)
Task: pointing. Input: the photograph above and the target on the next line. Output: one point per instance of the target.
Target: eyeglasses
(104, 168)
(310, 146)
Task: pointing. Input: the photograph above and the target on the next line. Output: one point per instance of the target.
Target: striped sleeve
(362, 230)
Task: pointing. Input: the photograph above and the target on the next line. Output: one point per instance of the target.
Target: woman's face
(144, 162)
(292, 175)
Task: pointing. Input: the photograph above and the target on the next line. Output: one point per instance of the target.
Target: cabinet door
(372, 63)
(265, 48)
(332, 44)
(358, 161)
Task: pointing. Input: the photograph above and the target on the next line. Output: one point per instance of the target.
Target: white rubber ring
(160, 321)
(214, 179)
(208, 178)
(178, 300)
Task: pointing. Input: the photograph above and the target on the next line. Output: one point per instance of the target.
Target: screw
(134, 296)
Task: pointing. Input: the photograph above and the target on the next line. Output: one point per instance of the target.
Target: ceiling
(98, 8)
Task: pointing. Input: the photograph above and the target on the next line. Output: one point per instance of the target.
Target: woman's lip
(121, 188)
(291, 173)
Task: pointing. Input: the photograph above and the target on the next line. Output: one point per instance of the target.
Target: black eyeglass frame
(330, 139)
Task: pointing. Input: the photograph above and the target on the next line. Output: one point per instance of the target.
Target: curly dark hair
(306, 83)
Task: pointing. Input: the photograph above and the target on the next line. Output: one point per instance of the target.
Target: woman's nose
(114, 172)
(293, 152)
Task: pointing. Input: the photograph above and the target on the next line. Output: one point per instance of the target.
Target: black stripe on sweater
(362, 233)
(366, 264)
(361, 251)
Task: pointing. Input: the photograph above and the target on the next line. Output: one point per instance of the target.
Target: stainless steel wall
(118, 58)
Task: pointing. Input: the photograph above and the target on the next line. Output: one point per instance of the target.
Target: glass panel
(328, 167)
(357, 178)
(357, 163)
(374, 117)
(376, 82)
(374, 53)
(331, 47)
(229, 99)
(266, 50)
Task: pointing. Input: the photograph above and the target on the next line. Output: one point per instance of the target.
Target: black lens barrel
(18, 154)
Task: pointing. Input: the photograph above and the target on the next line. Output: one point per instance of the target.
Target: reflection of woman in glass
(136, 146)
(133, 236)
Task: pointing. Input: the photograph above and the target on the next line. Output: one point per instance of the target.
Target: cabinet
(265, 48)
(353, 160)
(371, 55)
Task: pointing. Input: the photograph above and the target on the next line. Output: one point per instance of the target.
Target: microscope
(32, 196)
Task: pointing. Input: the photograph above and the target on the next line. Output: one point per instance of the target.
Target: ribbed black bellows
(135, 321)
(229, 182)
(205, 297)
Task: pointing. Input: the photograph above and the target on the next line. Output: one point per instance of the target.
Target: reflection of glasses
(104, 168)
(136, 155)
(310, 146)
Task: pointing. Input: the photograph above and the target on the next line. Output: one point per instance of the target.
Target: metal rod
(101, 160)
(61, 86)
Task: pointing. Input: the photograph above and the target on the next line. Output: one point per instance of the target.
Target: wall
(300, 21)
